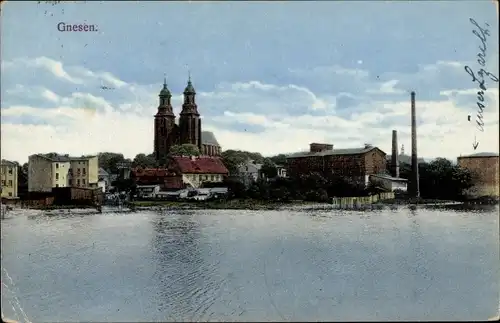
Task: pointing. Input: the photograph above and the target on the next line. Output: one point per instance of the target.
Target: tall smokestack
(395, 155)
(415, 186)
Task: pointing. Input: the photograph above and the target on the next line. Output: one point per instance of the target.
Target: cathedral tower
(189, 120)
(165, 129)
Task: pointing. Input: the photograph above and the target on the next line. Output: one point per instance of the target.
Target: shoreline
(235, 204)
(255, 205)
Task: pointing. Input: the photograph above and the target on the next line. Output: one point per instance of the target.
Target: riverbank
(234, 204)
(417, 201)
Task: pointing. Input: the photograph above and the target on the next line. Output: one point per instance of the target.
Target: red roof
(150, 172)
(200, 165)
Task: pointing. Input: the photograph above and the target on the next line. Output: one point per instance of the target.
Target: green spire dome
(189, 88)
(165, 91)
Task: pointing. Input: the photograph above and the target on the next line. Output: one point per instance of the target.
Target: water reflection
(418, 260)
(188, 281)
(230, 265)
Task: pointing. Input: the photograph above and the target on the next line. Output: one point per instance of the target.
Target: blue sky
(270, 77)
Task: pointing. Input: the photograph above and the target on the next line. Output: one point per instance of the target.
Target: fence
(360, 201)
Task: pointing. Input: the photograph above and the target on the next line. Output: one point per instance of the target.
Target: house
(484, 169)
(166, 179)
(9, 173)
(181, 172)
(389, 183)
(194, 171)
(47, 171)
(356, 164)
(104, 181)
(249, 172)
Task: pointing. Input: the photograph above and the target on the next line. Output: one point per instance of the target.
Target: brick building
(168, 133)
(181, 172)
(354, 163)
(484, 167)
(167, 180)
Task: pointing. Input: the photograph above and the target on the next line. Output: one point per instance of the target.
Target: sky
(271, 77)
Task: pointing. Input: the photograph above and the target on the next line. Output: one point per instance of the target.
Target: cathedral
(168, 133)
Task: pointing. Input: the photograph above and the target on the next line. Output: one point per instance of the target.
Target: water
(252, 265)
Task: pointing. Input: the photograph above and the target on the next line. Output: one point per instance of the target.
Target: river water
(221, 265)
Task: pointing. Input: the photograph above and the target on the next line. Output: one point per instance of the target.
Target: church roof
(208, 138)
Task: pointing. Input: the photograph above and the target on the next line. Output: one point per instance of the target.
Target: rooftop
(201, 165)
(8, 162)
(103, 172)
(62, 158)
(389, 177)
(334, 152)
(208, 138)
(485, 154)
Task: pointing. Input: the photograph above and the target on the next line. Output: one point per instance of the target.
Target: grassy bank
(414, 201)
(62, 207)
(234, 204)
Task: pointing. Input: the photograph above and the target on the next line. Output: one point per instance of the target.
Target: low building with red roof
(181, 172)
(196, 170)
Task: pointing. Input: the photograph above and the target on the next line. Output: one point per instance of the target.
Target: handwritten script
(481, 75)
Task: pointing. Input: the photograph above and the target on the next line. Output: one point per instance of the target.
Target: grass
(413, 201)
(63, 207)
(233, 204)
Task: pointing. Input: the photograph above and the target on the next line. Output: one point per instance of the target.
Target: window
(57, 185)
(84, 171)
(10, 182)
(70, 182)
(10, 171)
(10, 193)
(77, 182)
(57, 165)
(3, 182)
(83, 181)
(57, 176)
(78, 171)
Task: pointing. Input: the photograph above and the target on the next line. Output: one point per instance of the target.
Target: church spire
(165, 92)
(165, 107)
(189, 90)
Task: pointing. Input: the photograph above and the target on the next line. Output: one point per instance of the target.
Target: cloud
(49, 113)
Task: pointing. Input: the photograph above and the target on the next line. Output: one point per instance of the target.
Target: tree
(232, 159)
(440, 179)
(235, 187)
(144, 161)
(111, 161)
(184, 150)
(279, 159)
(124, 185)
(269, 168)
(24, 168)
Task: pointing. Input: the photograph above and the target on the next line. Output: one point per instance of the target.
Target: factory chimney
(395, 155)
(415, 186)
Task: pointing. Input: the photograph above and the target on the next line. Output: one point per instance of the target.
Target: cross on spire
(164, 80)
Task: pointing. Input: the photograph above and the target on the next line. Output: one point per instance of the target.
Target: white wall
(102, 185)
